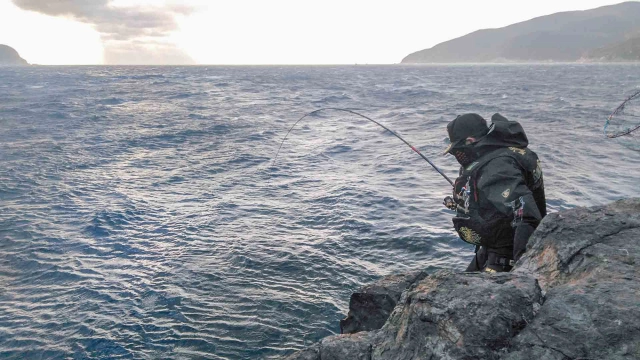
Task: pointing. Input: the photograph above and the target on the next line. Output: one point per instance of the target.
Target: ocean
(142, 216)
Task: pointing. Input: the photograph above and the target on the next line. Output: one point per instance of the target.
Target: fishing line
(375, 122)
(622, 119)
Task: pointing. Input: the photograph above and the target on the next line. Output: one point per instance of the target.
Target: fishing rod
(375, 122)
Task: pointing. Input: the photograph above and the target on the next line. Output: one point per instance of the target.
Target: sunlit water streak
(141, 216)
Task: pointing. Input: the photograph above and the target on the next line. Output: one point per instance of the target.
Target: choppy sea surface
(141, 215)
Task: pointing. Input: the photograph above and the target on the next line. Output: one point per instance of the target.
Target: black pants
(488, 260)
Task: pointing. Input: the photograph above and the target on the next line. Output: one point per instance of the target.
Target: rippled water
(141, 216)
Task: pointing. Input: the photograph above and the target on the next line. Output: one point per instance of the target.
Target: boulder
(371, 305)
(459, 316)
(588, 262)
(575, 294)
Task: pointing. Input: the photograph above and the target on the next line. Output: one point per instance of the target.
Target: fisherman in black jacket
(499, 194)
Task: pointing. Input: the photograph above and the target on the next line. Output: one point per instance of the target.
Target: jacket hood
(502, 133)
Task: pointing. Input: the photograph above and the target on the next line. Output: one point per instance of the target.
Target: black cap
(464, 126)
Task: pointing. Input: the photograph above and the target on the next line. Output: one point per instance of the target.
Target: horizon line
(359, 64)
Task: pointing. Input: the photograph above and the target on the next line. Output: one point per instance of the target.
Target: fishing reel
(450, 204)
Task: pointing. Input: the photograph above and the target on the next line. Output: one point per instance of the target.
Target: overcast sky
(251, 31)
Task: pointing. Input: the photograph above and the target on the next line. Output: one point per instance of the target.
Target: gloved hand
(450, 203)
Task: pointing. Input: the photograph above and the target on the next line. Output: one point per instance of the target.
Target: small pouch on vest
(476, 231)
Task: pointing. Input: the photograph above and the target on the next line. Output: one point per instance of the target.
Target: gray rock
(587, 261)
(340, 347)
(348, 346)
(459, 316)
(574, 295)
(310, 353)
(370, 306)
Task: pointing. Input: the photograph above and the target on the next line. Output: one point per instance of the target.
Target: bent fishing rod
(373, 121)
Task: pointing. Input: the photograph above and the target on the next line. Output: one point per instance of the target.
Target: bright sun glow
(43, 39)
(253, 31)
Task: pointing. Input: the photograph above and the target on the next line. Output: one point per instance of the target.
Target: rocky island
(575, 294)
(10, 57)
(606, 34)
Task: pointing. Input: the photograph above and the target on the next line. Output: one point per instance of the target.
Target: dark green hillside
(566, 36)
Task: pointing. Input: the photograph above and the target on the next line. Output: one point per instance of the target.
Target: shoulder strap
(473, 168)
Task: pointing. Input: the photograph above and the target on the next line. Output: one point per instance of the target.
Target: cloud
(112, 22)
(124, 30)
(145, 53)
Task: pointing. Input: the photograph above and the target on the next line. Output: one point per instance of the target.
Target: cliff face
(9, 56)
(573, 295)
(567, 36)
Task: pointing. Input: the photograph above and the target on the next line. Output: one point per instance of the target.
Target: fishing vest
(488, 226)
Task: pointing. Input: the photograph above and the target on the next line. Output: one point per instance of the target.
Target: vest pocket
(476, 231)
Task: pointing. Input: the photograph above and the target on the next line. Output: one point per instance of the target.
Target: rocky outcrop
(370, 307)
(10, 57)
(588, 261)
(574, 295)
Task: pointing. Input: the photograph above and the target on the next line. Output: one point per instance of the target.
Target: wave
(141, 216)
(185, 95)
(112, 101)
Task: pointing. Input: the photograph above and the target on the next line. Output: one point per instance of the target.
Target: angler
(499, 195)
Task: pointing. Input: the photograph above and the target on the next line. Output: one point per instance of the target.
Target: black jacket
(500, 196)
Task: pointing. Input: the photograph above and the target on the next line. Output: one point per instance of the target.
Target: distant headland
(10, 57)
(605, 34)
